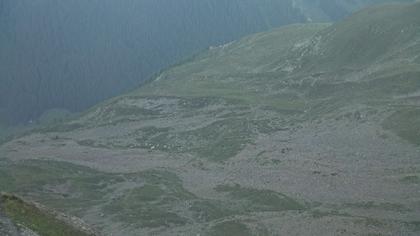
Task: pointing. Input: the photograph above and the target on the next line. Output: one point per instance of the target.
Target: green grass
(35, 219)
(411, 179)
(249, 94)
(241, 201)
(247, 76)
(199, 102)
(149, 202)
(374, 205)
(80, 187)
(415, 225)
(231, 74)
(260, 200)
(354, 43)
(134, 111)
(406, 124)
(209, 210)
(231, 228)
(153, 198)
(58, 128)
(225, 138)
(151, 205)
(217, 141)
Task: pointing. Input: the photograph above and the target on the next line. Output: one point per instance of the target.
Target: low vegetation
(406, 124)
(36, 219)
(260, 200)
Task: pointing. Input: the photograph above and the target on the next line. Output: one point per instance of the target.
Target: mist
(209, 117)
(73, 54)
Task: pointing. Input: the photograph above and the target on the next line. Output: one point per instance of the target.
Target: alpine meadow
(299, 121)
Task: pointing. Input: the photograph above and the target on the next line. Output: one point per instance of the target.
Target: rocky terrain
(309, 129)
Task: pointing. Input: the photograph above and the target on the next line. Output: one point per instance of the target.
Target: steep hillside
(309, 129)
(74, 54)
(21, 218)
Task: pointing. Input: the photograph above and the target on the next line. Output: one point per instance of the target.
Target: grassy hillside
(72, 55)
(40, 221)
(298, 68)
(309, 129)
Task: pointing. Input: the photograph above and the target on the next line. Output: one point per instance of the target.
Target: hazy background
(73, 54)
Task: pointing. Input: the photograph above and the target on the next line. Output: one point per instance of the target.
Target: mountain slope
(54, 54)
(19, 218)
(309, 129)
(332, 10)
